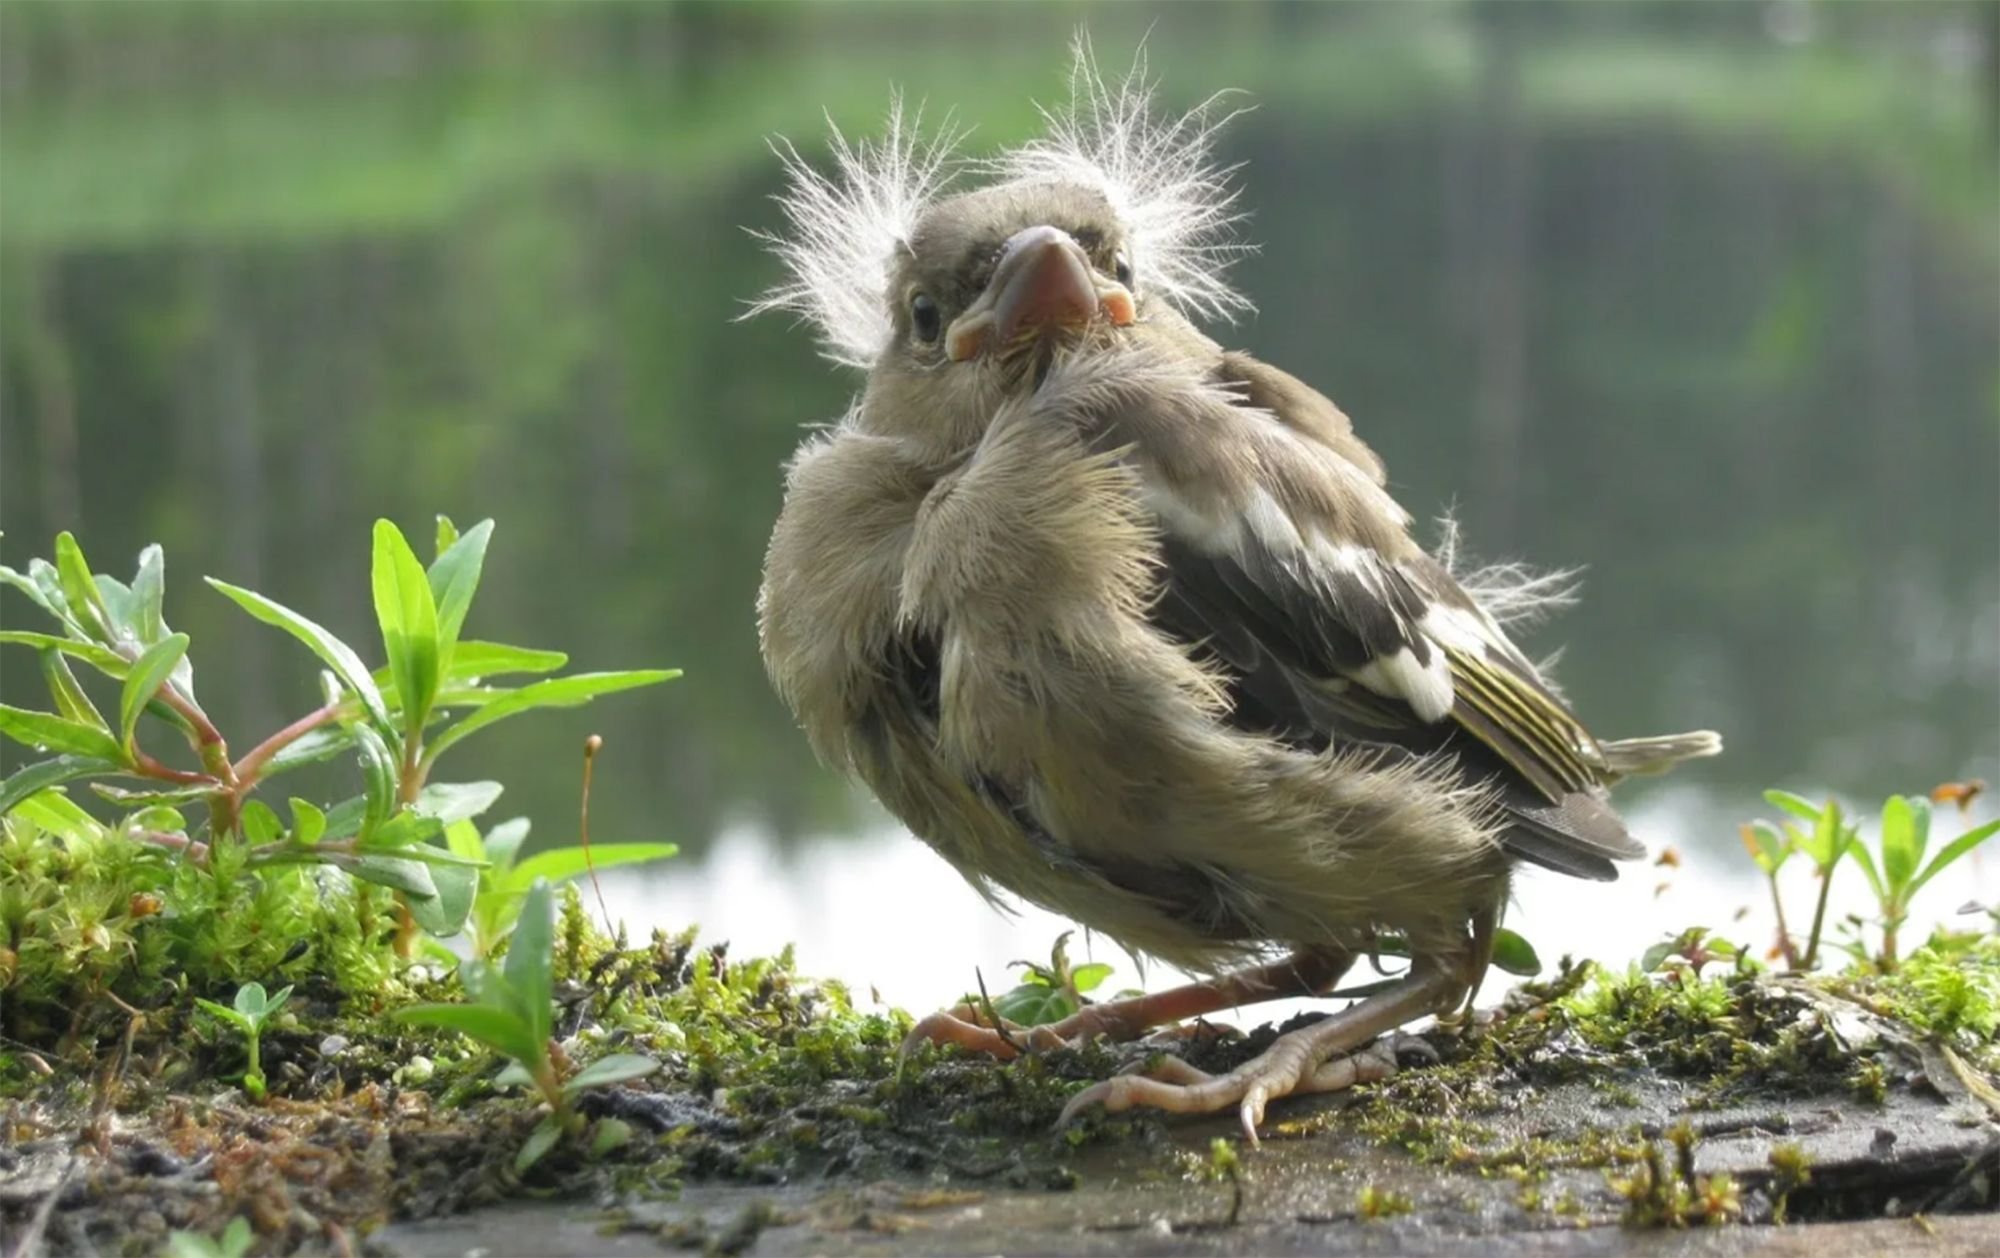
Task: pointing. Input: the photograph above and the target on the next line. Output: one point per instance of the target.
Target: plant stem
(251, 766)
(149, 767)
(1892, 922)
(1819, 915)
(415, 768)
(1785, 944)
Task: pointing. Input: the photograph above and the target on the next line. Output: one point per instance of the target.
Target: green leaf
(45, 731)
(498, 1029)
(223, 1013)
(1032, 1004)
(439, 856)
(86, 605)
(559, 692)
(408, 617)
(473, 660)
(71, 701)
(260, 823)
(563, 863)
(539, 1141)
(308, 822)
(456, 801)
(454, 578)
(1513, 954)
(1905, 826)
(1860, 855)
(447, 533)
(402, 830)
(336, 654)
(58, 814)
(39, 776)
(457, 885)
(503, 843)
(513, 1075)
(102, 658)
(1768, 847)
(605, 1071)
(608, 1135)
(407, 876)
(378, 777)
(320, 744)
(1085, 978)
(251, 1002)
(46, 579)
(462, 837)
(149, 673)
(1652, 958)
(149, 592)
(1797, 805)
(34, 591)
(530, 957)
(171, 796)
(159, 817)
(121, 609)
(1829, 837)
(1953, 850)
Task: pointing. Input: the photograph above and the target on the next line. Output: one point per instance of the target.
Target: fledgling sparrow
(1127, 624)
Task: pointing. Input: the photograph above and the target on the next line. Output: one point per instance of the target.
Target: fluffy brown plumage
(1126, 624)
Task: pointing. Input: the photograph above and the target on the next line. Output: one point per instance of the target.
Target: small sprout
(1869, 1081)
(1050, 993)
(234, 1242)
(1374, 1204)
(1789, 1173)
(511, 1012)
(1225, 1165)
(252, 1009)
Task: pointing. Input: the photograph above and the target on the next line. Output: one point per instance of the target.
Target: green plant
(505, 879)
(1373, 1204)
(1770, 849)
(1895, 870)
(234, 1242)
(511, 1012)
(434, 692)
(1693, 948)
(1049, 993)
(248, 1014)
(1824, 844)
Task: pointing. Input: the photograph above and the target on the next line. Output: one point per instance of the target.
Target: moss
(1374, 1203)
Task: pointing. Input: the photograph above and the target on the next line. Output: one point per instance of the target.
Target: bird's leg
(1304, 973)
(1300, 1062)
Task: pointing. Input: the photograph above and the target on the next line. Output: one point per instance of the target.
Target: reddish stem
(251, 766)
(152, 768)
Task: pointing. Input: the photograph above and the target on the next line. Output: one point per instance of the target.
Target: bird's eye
(1121, 268)
(925, 318)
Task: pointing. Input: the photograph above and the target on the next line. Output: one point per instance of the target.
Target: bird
(1127, 624)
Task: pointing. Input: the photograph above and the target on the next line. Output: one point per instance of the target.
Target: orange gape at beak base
(1043, 280)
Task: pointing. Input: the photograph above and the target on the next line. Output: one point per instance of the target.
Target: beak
(1043, 281)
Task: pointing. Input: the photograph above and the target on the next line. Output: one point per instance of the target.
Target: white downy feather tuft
(1511, 593)
(1159, 174)
(843, 229)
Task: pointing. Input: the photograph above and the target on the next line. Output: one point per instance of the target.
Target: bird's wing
(1332, 637)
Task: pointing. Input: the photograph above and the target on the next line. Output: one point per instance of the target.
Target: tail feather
(1628, 756)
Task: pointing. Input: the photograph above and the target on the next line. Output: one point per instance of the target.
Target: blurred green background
(1699, 297)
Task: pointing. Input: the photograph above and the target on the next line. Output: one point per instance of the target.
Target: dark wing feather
(1295, 639)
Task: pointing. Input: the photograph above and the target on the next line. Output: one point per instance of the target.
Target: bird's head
(954, 282)
(1002, 277)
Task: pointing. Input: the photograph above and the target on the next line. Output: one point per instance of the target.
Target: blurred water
(895, 923)
(1698, 304)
